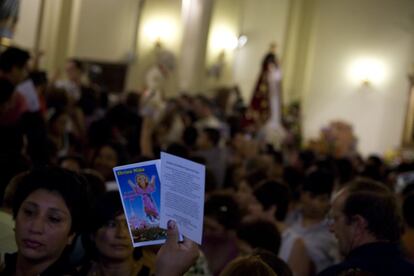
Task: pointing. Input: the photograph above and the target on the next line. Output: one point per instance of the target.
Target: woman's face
(43, 225)
(106, 159)
(112, 240)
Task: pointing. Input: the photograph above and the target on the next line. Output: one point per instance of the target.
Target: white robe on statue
(273, 132)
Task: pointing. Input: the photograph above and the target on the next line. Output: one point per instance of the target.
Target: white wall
(346, 30)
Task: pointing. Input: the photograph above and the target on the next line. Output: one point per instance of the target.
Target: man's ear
(359, 222)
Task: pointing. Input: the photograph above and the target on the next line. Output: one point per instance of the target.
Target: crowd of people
(270, 208)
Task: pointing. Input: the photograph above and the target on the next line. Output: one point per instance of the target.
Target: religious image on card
(140, 190)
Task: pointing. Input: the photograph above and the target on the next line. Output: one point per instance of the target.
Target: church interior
(300, 113)
(324, 48)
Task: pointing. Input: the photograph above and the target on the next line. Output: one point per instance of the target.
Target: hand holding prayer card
(156, 191)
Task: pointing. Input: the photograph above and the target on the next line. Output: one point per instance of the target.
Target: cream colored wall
(195, 22)
(103, 29)
(344, 31)
(299, 41)
(224, 25)
(263, 22)
(26, 27)
(324, 37)
(155, 10)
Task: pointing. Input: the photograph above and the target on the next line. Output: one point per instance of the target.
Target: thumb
(172, 233)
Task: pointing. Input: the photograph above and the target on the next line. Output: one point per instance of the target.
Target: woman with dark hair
(105, 157)
(48, 208)
(112, 251)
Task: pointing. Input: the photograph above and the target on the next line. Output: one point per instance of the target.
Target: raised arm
(145, 139)
(175, 258)
(131, 184)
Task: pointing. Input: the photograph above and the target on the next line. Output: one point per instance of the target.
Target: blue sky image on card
(139, 187)
(141, 203)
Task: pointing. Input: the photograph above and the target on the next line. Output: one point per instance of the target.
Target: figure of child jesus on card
(139, 186)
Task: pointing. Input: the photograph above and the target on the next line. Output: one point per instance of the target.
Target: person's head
(73, 163)
(248, 265)
(58, 121)
(109, 229)
(344, 170)
(272, 260)
(49, 209)
(202, 106)
(294, 179)
(316, 193)
(178, 149)
(39, 79)
(364, 211)
(274, 196)
(208, 138)
(223, 208)
(74, 70)
(106, 157)
(260, 234)
(189, 136)
(14, 64)
(10, 191)
(142, 180)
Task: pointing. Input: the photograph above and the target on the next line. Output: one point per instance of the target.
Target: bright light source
(242, 41)
(160, 30)
(224, 39)
(367, 71)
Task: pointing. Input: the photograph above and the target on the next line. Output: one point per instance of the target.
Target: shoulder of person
(7, 263)
(339, 269)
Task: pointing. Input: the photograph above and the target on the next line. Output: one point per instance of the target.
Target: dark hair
(6, 90)
(223, 208)
(107, 207)
(177, 149)
(260, 234)
(307, 157)
(95, 185)
(248, 265)
(77, 158)
(294, 179)
(78, 64)
(10, 190)
(270, 58)
(377, 205)
(119, 149)
(13, 57)
(205, 101)
(272, 192)
(318, 182)
(189, 136)
(272, 260)
(408, 210)
(213, 135)
(344, 170)
(38, 77)
(70, 186)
